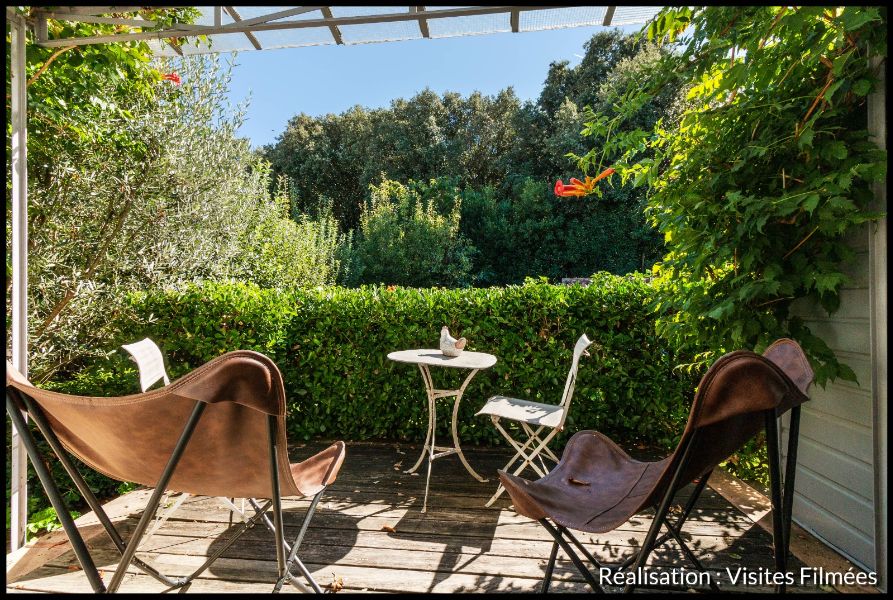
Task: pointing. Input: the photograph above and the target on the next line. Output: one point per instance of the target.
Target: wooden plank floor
(370, 535)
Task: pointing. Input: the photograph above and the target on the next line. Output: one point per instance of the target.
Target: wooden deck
(369, 535)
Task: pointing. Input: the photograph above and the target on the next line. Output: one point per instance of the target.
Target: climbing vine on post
(765, 173)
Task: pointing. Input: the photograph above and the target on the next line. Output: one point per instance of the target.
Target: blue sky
(330, 79)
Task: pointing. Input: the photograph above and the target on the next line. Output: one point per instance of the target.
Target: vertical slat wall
(841, 474)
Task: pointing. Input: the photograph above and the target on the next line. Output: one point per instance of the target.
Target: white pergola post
(18, 483)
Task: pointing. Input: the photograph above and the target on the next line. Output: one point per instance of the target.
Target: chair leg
(527, 462)
(87, 494)
(74, 536)
(778, 528)
(277, 527)
(519, 453)
(292, 554)
(566, 532)
(547, 579)
(297, 561)
(648, 545)
(528, 457)
(787, 502)
(587, 575)
(534, 435)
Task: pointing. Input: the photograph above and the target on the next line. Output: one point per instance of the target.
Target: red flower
(171, 77)
(580, 188)
(606, 173)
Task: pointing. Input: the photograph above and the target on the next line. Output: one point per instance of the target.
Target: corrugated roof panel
(557, 18)
(380, 32)
(470, 25)
(631, 15)
(292, 38)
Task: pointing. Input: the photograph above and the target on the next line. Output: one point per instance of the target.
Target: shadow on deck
(369, 535)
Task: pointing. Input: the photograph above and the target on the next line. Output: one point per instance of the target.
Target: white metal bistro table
(428, 357)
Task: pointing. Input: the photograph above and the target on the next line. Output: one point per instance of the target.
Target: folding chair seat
(597, 487)
(531, 414)
(149, 362)
(150, 365)
(217, 431)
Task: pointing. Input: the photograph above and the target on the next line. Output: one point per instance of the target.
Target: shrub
(186, 201)
(409, 235)
(331, 344)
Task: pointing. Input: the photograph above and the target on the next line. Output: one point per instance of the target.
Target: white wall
(841, 481)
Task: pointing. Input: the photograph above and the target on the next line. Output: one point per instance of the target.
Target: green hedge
(331, 345)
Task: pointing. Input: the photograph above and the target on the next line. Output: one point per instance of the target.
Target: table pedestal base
(429, 448)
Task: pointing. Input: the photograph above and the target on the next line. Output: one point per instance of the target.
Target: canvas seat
(597, 487)
(150, 365)
(534, 413)
(217, 431)
(529, 414)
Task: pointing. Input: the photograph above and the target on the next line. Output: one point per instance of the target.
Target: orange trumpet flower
(580, 188)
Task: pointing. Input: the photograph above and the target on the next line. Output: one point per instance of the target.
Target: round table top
(434, 357)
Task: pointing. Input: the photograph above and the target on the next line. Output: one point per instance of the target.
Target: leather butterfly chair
(217, 431)
(597, 487)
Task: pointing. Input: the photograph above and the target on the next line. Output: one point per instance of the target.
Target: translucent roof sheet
(227, 28)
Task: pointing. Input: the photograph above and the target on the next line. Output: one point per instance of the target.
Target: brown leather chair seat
(597, 488)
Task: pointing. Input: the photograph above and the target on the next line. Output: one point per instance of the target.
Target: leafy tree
(187, 202)
(491, 146)
(277, 251)
(409, 236)
(72, 88)
(768, 169)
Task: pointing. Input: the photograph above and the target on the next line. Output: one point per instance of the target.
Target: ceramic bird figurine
(449, 345)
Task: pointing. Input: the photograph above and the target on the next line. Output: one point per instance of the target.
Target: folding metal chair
(217, 431)
(597, 487)
(536, 414)
(149, 361)
(150, 364)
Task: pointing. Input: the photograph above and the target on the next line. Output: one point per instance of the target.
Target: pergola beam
(182, 31)
(277, 15)
(609, 16)
(515, 20)
(238, 18)
(336, 33)
(423, 24)
(66, 16)
(130, 22)
(99, 10)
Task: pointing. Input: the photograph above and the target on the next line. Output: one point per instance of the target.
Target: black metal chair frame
(286, 555)
(781, 496)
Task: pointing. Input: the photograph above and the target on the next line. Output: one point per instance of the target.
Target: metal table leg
(430, 445)
(459, 393)
(429, 390)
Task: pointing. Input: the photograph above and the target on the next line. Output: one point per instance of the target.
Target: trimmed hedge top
(331, 345)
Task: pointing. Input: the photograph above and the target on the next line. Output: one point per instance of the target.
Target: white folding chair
(534, 414)
(149, 361)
